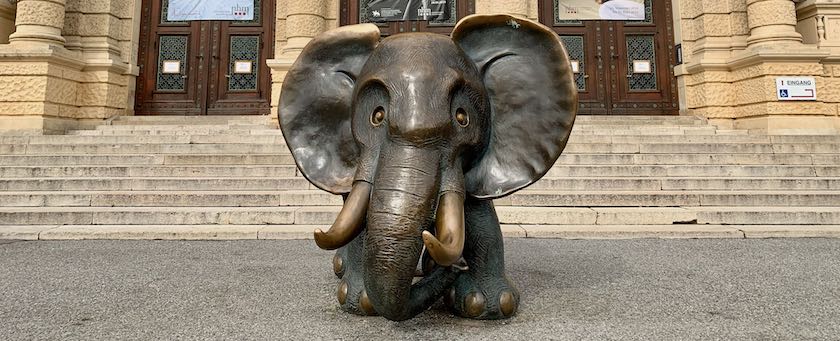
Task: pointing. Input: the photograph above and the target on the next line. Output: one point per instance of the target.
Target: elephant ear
(316, 101)
(533, 100)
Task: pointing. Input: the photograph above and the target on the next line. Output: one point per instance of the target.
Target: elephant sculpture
(420, 132)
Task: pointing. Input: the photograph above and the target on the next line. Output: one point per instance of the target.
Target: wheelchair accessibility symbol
(784, 94)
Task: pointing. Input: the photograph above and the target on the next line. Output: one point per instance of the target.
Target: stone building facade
(75, 63)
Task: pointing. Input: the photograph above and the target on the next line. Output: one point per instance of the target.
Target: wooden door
(353, 12)
(624, 67)
(204, 67)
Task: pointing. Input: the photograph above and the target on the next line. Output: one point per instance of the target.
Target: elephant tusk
(350, 220)
(446, 249)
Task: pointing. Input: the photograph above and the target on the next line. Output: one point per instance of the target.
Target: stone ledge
(305, 232)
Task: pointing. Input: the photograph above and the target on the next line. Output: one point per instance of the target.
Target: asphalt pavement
(787, 289)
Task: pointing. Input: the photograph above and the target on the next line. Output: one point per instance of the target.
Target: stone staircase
(233, 178)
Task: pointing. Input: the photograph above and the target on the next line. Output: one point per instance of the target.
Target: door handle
(585, 76)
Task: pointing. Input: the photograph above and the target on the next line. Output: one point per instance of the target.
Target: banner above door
(187, 10)
(601, 10)
(407, 10)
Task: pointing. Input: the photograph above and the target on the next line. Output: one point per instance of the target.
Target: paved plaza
(598, 290)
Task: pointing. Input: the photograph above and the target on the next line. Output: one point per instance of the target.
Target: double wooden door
(204, 67)
(621, 67)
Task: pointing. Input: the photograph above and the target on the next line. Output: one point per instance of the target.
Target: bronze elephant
(420, 132)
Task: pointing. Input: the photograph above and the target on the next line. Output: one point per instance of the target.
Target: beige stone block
(631, 231)
(61, 91)
(290, 232)
(791, 231)
(23, 88)
(152, 232)
(23, 232)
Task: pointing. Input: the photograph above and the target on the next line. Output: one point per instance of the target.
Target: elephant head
(412, 124)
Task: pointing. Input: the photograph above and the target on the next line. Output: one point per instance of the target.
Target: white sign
(171, 66)
(642, 66)
(575, 66)
(796, 88)
(243, 66)
(186, 10)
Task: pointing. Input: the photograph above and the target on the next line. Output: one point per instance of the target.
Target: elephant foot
(351, 292)
(483, 298)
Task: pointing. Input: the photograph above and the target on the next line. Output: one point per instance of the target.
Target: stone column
(772, 22)
(304, 21)
(39, 22)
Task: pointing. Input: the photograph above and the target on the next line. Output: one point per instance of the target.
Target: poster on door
(601, 10)
(408, 10)
(188, 10)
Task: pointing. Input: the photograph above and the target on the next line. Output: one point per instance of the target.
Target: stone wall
(735, 49)
(68, 64)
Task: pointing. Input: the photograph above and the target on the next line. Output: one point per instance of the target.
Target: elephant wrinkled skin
(420, 132)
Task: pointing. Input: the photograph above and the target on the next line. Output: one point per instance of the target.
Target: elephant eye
(378, 117)
(462, 117)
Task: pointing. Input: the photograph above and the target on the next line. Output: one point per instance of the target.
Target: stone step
(152, 184)
(281, 148)
(304, 232)
(284, 158)
(147, 139)
(171, 132)
(558, 171)
(699, 159)
(507, 214)
(636, 216)
(699, 130)
(7, 172)
(185, 120)
(141, 183)
(232, 198)
(277, 138)
(147, 159)
(555, 198)
(729, 171)
(149, 215)
(209, 148)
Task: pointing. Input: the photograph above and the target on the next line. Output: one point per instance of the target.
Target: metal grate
(172, 48)
(641, 47)
(244, 49)
(575, 47)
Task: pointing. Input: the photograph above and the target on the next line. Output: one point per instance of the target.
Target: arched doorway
(204, 67)
(624, 67)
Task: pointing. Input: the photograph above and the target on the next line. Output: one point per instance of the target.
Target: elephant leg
(348, 266)
(483, 292)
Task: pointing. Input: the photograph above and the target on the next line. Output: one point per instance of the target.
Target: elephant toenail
(474, 304)
(343, 288)
(338, 266)
(507, 303)
(364, 303)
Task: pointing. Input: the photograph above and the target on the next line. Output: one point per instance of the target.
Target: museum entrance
(204, 67)
(441, 18)
(621, 67)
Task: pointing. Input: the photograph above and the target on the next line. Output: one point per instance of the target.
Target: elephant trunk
(402, 207)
